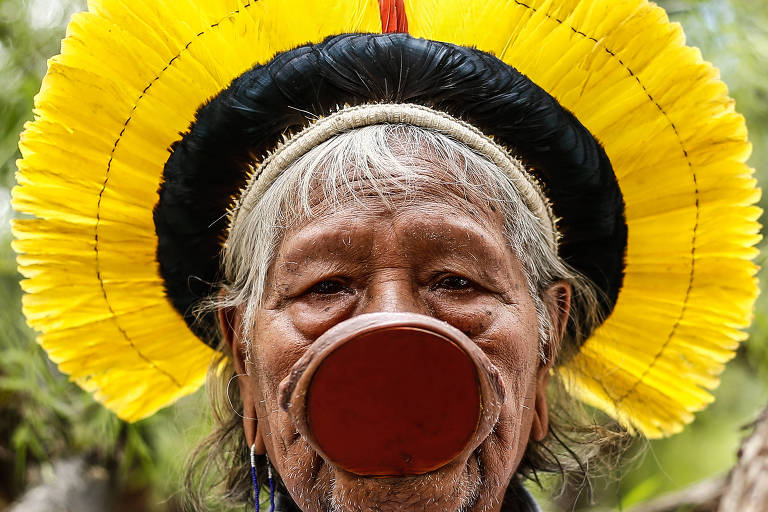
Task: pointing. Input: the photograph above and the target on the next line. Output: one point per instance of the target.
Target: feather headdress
(132, 76)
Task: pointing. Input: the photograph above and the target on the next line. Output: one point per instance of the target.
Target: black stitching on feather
(101, 194)
(694, 236)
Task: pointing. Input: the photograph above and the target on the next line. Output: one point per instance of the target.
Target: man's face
(449, 261)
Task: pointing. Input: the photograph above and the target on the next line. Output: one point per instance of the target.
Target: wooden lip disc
(395, 401)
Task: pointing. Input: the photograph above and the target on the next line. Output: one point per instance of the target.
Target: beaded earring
(255, 480)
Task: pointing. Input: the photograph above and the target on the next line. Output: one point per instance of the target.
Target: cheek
(514, 349)
(512, 344)
(276, 347)
(473, 317)
(311, 318)
(518, 365)
(505, 447)
(508, 330)
(510, 340)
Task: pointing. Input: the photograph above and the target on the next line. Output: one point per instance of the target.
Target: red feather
(393, 18)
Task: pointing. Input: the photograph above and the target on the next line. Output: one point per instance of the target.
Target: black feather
(207, 166)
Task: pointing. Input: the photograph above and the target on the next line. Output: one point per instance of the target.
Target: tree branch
(745, 489)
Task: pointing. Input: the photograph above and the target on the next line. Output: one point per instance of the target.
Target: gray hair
(385, 158)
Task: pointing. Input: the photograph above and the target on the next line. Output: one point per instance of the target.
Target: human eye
(454, 283)
(328, 287)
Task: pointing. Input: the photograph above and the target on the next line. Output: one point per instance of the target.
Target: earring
(254, 479)
(271, 486)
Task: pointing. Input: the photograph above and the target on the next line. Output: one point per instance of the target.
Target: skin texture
(444, 258)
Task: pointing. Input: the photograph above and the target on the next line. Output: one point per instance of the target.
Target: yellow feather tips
(678, 150)
(129, 79)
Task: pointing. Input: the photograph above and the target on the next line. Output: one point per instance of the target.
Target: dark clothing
(518, 499)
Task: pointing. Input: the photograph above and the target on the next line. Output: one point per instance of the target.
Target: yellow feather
(132, 74)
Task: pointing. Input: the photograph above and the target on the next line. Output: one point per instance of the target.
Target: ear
(229, 320)
(558, 301)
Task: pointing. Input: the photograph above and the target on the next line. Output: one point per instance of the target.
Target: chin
(452, 488)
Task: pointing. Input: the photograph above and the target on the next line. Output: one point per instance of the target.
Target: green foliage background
(44, 417)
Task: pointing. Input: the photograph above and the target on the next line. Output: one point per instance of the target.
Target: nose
(393, 291)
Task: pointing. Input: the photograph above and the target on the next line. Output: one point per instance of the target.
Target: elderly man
(396, 218)
(395, 208)
(394, 242)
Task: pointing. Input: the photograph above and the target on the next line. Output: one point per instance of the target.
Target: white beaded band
(350, 118)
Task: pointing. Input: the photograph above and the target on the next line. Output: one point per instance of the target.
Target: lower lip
(394, 403)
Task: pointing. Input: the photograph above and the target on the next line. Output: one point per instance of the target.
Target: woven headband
(351, 118)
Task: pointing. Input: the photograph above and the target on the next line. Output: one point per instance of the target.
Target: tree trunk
(747, 489)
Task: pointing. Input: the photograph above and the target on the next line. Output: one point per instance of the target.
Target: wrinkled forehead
(417, 232)
(380, 169)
